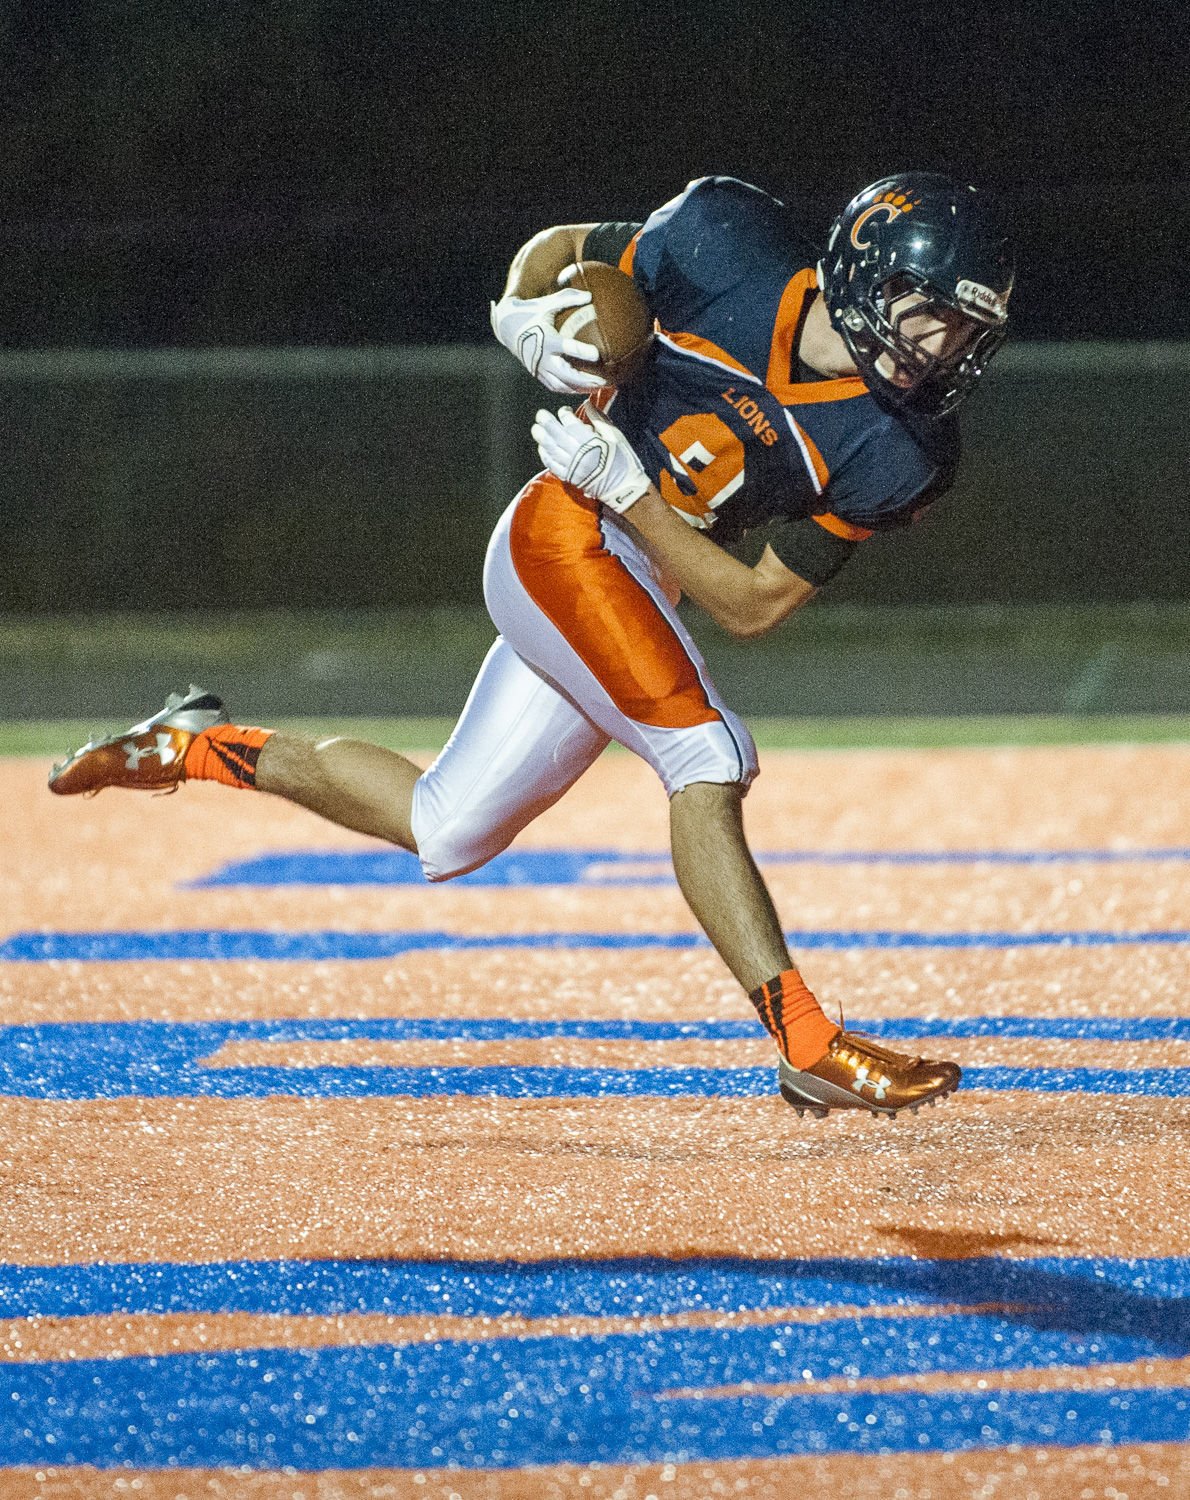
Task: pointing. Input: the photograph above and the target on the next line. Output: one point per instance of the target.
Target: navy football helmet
(912, 244)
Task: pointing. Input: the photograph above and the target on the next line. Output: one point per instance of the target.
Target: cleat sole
(811, 1110)
(857, 1074)
(805, 1107)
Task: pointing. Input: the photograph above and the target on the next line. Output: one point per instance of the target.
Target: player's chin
(899, 377)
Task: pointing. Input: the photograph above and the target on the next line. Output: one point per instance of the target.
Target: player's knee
(446, 854)
(442, 846)
(718, 754)
(448, 842)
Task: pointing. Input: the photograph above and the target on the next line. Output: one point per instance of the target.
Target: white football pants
(590, 650)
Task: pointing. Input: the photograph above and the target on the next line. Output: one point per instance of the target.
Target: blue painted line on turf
(475, 1406)
(222, 944)
(630, 1396)
(1146, 1298)
(204, 1036)
(487, 1405)
(159, 1081)
(152, 1059)
(616, 867)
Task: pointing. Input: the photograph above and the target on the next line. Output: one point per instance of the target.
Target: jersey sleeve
(805, 549)
(717, 238)
(888, 481)
(810, 550)
(609, 242)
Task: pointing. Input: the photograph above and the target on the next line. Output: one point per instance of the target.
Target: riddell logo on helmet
(984, 302)
(888, 206)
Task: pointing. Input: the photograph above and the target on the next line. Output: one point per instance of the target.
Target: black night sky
(351, 171)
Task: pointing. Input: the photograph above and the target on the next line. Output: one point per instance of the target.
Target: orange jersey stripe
(628, 257)
(781, 353)
(789, 312)
(707, 349)
(838, 527)
(609, 619)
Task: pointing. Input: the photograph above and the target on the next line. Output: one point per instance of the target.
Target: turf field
(320, 1181)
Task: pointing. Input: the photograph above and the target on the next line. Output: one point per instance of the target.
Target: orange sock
(227, 753)
(794, 1019)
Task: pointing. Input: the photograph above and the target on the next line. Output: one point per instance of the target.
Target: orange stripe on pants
(606, 615)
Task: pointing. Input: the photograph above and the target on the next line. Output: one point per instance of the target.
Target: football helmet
(918, 243)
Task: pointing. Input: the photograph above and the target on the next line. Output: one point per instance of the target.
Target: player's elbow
(745, 620)
(762, 610)
(746, 628)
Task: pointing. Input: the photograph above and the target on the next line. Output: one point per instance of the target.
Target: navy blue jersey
(733, 430)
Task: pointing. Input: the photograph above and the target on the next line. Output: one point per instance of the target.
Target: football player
(812, 396)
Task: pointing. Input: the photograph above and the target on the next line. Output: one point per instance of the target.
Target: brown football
(616, 320)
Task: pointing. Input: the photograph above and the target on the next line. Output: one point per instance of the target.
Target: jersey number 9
(709, 458)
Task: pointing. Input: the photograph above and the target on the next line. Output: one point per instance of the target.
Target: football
(616, 320)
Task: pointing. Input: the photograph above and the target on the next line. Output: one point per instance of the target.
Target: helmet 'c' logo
(887, 207)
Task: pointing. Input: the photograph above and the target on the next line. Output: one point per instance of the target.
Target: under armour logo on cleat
(879, 1084)
(163, 750)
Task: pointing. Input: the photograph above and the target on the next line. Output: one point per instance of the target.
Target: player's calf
(350, 782)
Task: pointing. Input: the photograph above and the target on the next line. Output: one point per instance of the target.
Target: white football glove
(596, 458)
(525, 326)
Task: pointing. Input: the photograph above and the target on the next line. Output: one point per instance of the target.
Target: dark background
(357, 173)
(351, 171)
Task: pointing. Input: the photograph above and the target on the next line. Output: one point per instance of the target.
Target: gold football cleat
(856, 1073)
(148, 757)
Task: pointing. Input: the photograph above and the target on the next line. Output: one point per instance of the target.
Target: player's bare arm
(539, 262)
(745, 601)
